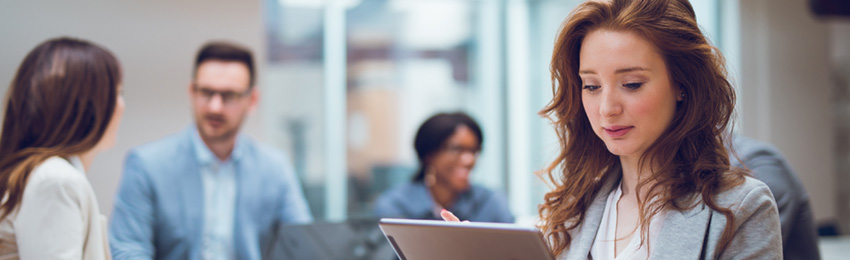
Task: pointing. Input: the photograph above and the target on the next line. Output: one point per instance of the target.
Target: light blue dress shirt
(219, 183)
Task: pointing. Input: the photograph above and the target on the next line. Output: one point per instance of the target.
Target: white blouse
(58, 217)
(603, 244)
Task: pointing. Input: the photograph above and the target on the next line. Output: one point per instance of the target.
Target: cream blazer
(58, 217)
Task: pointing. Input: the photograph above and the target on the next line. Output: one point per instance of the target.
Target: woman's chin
(619, 150)
(461, 187)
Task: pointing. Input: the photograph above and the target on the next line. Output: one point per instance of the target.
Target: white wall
(156, 42)
(840, 52)
(786, 92)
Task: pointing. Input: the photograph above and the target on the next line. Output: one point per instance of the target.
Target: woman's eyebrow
(631, 69)
(618, 71)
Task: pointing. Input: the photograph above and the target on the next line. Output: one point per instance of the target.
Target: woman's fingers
(448, 216)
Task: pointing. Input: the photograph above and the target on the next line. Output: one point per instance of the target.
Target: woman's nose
(610, 104)
(467, 158)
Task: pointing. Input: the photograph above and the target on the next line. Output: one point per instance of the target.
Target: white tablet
(435, 239)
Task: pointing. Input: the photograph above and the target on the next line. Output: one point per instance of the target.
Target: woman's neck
(86, 158)
(633, 175)
(443, 195)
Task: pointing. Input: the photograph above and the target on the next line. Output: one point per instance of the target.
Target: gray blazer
(799, 236)
(694, 233)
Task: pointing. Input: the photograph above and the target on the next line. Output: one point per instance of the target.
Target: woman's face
(626, 90)
(453, 163)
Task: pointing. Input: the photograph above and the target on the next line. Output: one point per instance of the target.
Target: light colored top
(603, 245)
(159, 205)
(694, 233)
(219, 181)
(58, 217)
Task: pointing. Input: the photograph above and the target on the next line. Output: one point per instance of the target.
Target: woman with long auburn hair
(62, 108)
(641, 107)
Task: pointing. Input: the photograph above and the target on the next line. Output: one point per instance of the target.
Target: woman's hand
(448, 216)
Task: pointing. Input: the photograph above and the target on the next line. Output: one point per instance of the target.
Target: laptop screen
(357, 239)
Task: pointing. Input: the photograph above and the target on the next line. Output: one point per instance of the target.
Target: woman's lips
(617, 131)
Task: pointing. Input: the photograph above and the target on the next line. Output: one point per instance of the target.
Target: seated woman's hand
(448, 216)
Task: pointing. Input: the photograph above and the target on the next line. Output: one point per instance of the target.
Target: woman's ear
(427, 160)
(680, 94)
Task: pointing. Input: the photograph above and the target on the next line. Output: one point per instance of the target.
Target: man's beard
(225, 133)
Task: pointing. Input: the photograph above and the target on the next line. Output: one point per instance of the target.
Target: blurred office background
(346, 83)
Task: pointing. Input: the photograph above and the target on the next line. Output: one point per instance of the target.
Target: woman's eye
(590, 87)
(633, 86)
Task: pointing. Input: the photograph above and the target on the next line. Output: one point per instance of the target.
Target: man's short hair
(225, 51)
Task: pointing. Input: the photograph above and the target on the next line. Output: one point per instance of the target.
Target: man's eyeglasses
(227, 97)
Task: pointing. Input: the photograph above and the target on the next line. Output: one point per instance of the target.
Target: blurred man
(207, 192)
(799, 239)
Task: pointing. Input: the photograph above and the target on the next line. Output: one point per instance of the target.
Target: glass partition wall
(348, 82)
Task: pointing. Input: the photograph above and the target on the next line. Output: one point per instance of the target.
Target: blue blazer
(159, 211)
(413, 200)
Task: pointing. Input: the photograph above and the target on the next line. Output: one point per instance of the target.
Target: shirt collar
(77, 163)
(205, 156)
